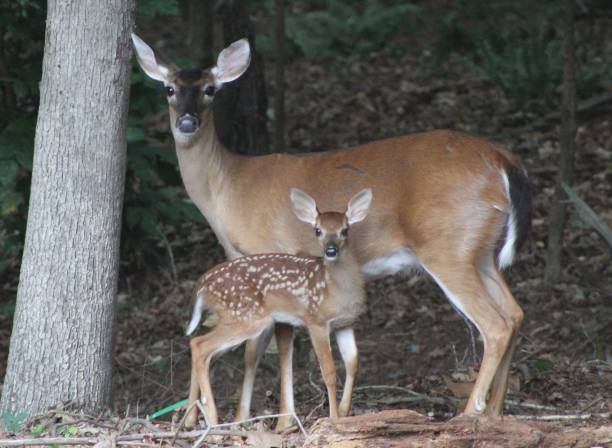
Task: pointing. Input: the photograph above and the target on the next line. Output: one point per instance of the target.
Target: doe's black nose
(187, 123)
(331, 251)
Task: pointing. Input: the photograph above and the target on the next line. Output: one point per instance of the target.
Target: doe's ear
(146, 60)
(359, 206)
(232, 61)
(304, 207)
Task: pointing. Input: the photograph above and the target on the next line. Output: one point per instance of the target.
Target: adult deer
(251, 293)
(453, 205)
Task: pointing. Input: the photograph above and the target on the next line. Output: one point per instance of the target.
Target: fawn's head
(190, 92)
(331, 228)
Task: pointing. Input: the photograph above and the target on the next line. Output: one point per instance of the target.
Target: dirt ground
(410, 339)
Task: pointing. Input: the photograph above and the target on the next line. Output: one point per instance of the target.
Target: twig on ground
(522, 404)
(418, 396)
(585, 108)
(589, 216)
(128, 422)
(171, 257)
(564, 417)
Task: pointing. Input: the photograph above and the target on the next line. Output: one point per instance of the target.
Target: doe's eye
(318, 231)
(209, 90)
(169, 90)
(344, 232)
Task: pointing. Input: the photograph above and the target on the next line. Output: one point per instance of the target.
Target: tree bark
(200, 32)
(552, 273)
(240, 107)
(279, 78)
(406, 429)
(64, 324)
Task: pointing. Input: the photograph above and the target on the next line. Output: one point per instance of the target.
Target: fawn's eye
(318, 231)
(209, 90)
(169, 90)
(344, 232)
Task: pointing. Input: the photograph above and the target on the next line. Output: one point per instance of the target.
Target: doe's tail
(196, 315)
(518, 188)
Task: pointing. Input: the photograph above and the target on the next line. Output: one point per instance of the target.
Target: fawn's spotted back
(239, 288)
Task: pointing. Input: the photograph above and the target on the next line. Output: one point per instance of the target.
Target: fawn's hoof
(283, 423)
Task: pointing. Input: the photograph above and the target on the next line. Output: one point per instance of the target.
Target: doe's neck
(204, 162)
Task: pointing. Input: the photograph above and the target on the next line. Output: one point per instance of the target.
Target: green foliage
(530, 69)
(155, 8)
(512, 42)
(8, 308)
(37, 430)
(22, 31)
(544, 365)
(68, 431)
(348, 27)
(13, 422)
(515, 43)
(154, 196)
(153, 191)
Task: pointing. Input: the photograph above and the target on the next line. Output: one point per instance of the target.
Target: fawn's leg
(194, 395)
(203, 348)
(320, 341)
(348, 349)
(284, 342)
(253, 351)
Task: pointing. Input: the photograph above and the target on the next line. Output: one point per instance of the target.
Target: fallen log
(407, 429)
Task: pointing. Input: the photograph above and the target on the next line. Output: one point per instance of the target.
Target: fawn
(251, 293)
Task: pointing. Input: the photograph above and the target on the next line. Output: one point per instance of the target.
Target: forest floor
(410, 339)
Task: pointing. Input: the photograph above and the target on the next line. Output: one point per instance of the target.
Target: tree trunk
(279, 78)
(64, 325)
(200, 32)
(240, 107)
(556, 225)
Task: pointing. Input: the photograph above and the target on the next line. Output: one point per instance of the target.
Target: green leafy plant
(348, 27)
(22, 34)
(532, 68)
(13, 421)
(154, 193)
(154, 197)
(68, 431)
(516, 44)
(37, 430)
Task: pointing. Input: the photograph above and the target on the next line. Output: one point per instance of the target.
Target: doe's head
(331, 228)
(191, 91)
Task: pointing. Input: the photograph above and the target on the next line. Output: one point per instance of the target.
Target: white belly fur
(401, 259)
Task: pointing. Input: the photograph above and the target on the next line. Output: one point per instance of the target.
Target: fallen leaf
(264, 439)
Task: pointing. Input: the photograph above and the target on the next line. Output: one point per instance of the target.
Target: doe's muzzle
(188, 123)
(331, 251)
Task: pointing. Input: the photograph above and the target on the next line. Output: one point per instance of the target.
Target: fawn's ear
(304, 207)
(232, 62)
(359, 206)
(147, 61)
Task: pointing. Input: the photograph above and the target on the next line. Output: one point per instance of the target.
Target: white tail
(451, 204)
(251, 293)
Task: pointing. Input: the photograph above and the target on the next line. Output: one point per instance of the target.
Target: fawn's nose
(331, 251)
(187, 123)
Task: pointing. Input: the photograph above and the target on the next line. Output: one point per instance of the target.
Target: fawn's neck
(343, 273)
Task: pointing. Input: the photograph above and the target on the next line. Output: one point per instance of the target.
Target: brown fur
(441, 196)
(250, 293)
